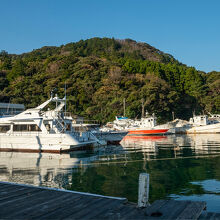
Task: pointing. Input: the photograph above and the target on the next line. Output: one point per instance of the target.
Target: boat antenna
(142, 103)
(8, 105)
(173, 116)
(52, 91)
(65, 97)
(124, 106)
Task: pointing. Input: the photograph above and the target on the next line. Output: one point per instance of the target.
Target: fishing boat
(146, 126)
(202, 125)
(40, 130)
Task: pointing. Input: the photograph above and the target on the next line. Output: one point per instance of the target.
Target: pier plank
(43, 210)
(68, 209)
(5, 187)
(24, 201)
(209, 215)
(12, 193)
(193, 210)
(97, 209)
(84, 210)
(155, 207)
(172, 209)
(131, 213)
(41, 206)
(18, 196)
(100, 213)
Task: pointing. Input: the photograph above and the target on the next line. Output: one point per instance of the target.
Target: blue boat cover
(121, 118)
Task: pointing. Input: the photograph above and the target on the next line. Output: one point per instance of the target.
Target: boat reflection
(205, 144)
(53, 170)
(38, 169)
(146, 144)
(195, 144)
(57, 170)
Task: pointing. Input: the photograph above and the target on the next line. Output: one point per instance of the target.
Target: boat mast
(65, 98)
(124, 106)
(142, 103)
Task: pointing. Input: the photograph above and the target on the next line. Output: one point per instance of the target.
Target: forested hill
(101, 72)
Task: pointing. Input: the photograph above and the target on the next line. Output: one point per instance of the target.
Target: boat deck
(29, 202)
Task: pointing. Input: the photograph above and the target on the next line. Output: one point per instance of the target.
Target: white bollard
(143, 190)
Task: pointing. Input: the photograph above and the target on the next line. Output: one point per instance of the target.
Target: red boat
(148, 131)
(145, 138)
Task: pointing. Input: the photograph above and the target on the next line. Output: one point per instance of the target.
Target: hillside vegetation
(100, 72)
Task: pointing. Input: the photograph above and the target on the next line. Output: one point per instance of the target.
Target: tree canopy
(101, 72)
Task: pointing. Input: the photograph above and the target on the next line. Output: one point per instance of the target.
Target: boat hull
(145, 138)
(205, 129)
(54, 143)
(111, 137)
(147, 131)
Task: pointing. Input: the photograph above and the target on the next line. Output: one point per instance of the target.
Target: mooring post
(143, 190)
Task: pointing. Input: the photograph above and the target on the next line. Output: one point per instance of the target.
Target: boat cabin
(199, 120)
(149, 121)
(38, 120)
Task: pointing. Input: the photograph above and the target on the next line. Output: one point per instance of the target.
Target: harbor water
(181, 167)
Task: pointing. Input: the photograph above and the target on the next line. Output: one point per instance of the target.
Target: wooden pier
(29, 202)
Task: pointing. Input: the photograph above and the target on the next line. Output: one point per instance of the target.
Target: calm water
(180, 167)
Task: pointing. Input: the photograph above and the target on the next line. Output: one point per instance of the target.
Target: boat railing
(60, 125)
(88, 121)
(27, 133)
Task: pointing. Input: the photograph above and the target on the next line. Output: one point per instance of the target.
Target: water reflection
(53, 170)
(37, 169)
(180, 167)
(209, 185)
(181, 145)
(211, 194)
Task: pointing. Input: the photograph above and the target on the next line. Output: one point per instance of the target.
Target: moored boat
(147, 126)
(104, 135)
(39, 130)
(202, 125)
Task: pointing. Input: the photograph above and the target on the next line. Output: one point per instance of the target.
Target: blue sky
(187, 29)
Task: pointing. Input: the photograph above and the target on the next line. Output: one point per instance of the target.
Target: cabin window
(26, 127)
(20, 128)
(4, 128)
(33, 128)
(48, 127)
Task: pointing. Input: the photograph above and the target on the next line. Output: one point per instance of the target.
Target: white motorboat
(42, 130)
(104, 135)
(201, 125)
